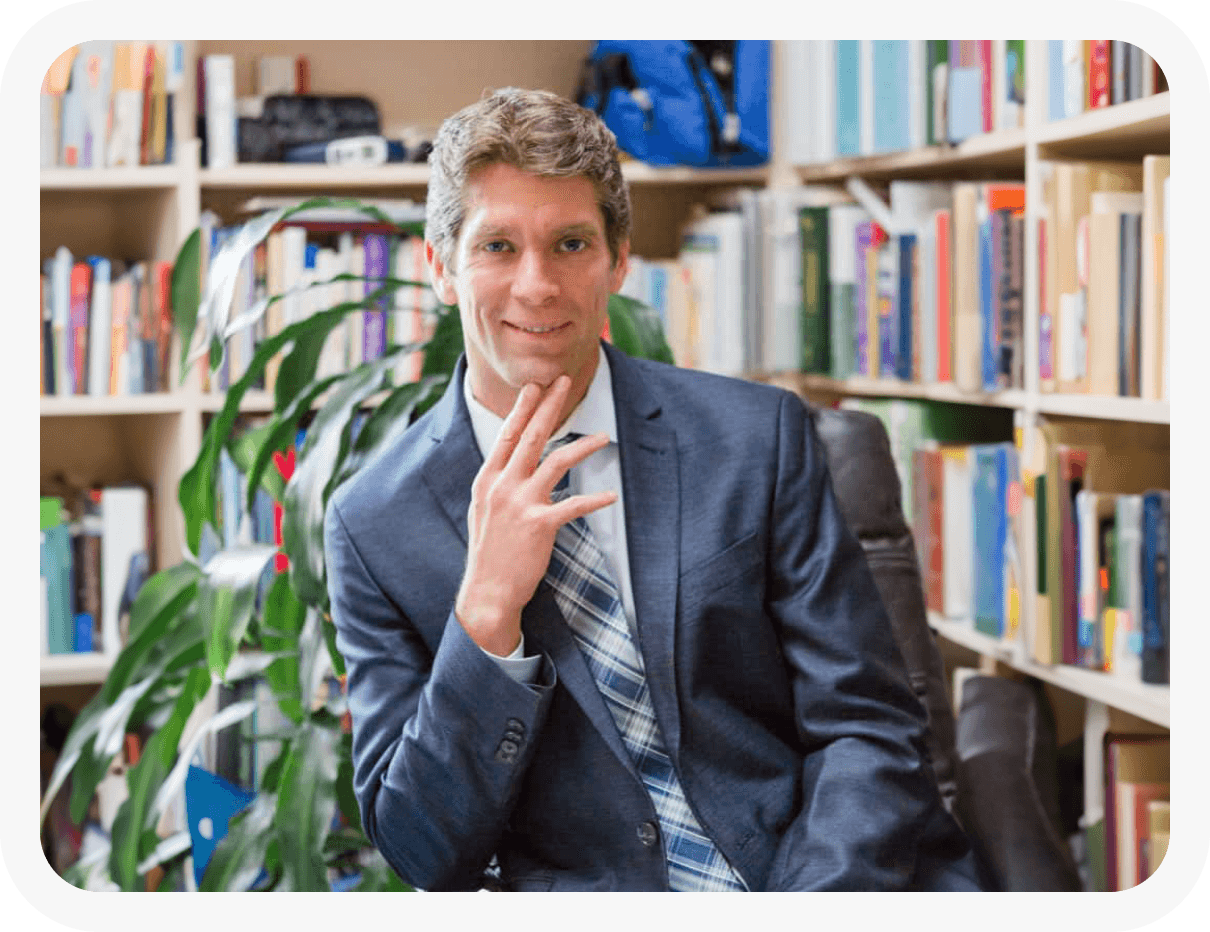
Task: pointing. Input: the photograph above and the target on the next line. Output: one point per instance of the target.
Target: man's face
(531, 275)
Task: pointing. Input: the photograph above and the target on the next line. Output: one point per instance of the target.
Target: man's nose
(535, 280)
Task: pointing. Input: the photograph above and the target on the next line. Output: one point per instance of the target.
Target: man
(674, 673)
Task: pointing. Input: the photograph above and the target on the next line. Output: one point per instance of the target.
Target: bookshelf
(150, 210)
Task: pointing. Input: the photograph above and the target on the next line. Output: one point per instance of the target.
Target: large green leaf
(135, 817)
(239, 857)
(389, 420)
(277, 435)
(445, 345)
(227, 598)
(197, 490)
(317, 464)
(306, 803)
(159, 606)
(282, 625)
(186, 284)
(635, 329)
(345, 797)
(244, 449)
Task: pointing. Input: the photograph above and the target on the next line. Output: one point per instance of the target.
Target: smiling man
(603, 622)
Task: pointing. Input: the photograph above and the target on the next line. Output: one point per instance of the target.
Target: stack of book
(300, 260)
(94, 557)
(106, 325)
(1085, 74)
(107, 103)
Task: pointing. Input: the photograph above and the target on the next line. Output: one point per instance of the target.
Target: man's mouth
(537, 330)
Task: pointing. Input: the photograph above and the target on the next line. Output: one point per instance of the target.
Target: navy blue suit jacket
(778, 687)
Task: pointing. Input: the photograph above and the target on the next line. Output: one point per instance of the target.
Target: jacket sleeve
(441, 739)
(871, 816)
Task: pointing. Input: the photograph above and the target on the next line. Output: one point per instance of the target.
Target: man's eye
(575, 244)
(496, 245)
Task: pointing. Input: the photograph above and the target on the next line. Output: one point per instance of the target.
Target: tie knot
(561, 488)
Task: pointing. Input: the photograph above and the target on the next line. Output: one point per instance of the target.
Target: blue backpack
(675, 102)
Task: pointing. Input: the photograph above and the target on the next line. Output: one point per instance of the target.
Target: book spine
(81, 286)
(1155, 648)
(813, 234)
(985, 63)
(987, 301)
(945, 307)
(863, 298)
(377, 268)
(1012, 370)
(906, 359)
(1045, 311)
(1099, 78)
(99, 327)
(887, 320)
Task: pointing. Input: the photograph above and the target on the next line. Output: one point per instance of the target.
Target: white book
(782, 333)
(1167, 287)
(1087, 584)
(1073, 77)
(60, 290)
(917, 104)
(1148, 76)
(1128, 635)
(294, 251)
(1000, 109)
(123, 536)
(958, 530)
(823, 100)
(748, 204)
(865, 59)
(100, 326)
(799, 117)
(713, 246)
(1073, 353)
(220, 111)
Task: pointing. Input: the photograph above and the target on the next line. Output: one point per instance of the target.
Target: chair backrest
(867, 490)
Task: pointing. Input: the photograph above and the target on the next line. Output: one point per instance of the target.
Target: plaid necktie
(589, 600)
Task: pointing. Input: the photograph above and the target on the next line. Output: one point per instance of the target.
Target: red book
(944, 305)
(302, 75)
(984, 47)
(80, 291)
(148, 96)
(1099, 76)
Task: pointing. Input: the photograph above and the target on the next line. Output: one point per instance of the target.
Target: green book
(813, 241)
(936, 56)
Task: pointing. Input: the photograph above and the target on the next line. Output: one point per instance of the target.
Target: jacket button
(515, 724)
(506, 753)
(648, 834)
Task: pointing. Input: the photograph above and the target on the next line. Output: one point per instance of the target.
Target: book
(1155, 628)
(937, 60)
(813, 236)
(99, 325)
(219, 89)
(50, 120)
(80, 295)
(1127, 644)
(1137, 770)
(55, 579)
(848, 98)
(1159, 817)
(843, 222)
(125, 557)
(958, 532)
(891, 83)
(1156, 169)
(928, 523)
(1106, 310)
(990, 495)
(712, 248)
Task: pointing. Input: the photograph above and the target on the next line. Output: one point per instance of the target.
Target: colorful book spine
(377, 268)
(945, 307)
(905, 303)
(1155, 648)
(991, 536)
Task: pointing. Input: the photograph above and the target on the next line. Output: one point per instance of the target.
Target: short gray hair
(534, 131)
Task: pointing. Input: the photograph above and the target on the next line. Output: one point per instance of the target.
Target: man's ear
(439, 276)
(620, 268)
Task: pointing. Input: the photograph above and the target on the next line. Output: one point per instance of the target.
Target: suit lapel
(449, 472)
(652, 496)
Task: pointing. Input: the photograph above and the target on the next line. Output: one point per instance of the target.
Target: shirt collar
(593, 415)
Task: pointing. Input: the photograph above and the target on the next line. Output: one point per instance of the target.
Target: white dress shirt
(600, 472)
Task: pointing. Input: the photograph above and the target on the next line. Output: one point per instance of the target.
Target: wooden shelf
(110, 179)
(1142, 699)
(998, 151)
(110, 405)
(1106, 408)
(253, 402)
(72, 669)
(1145, 119)
(284, 176)
(799, 382)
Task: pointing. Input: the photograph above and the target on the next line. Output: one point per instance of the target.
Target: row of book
(106, 103)
(1078, 524)
(929, 286)
(299, 260)
(1086, 74)
(94, 555)
(1127, 837)
(105, 325)
(219, 110)
(871, 97)
(1103, 236)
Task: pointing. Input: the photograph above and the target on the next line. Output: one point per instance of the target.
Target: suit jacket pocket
(740, 562)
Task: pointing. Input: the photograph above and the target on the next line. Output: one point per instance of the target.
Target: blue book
(990, 332)
(905, 299)
(55, 568)
(888, 314)
(990, 492)
(377, 268)
(1055, 107)
(848, 98)
(1155, 587)
(892, 79)
(964, 107)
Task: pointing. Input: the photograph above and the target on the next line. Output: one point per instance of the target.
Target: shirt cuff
(517, 666)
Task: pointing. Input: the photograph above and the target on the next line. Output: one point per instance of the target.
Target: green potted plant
(195, 625)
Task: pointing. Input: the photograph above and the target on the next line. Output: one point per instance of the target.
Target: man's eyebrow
(582, 228)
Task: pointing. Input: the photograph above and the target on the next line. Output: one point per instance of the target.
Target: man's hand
(512, 522)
